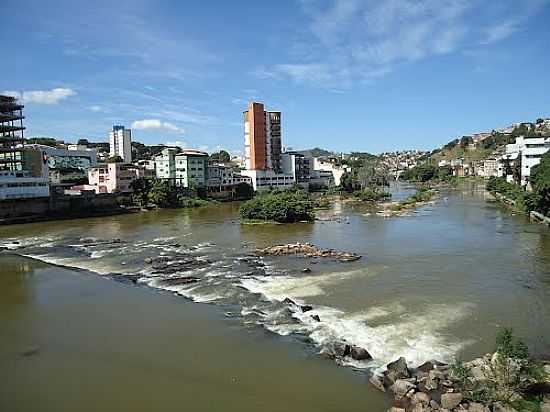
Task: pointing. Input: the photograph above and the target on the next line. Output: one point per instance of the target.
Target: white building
(120, 143)
(525, 152)
(268, 179)
(326, 165)
(21, 185)
(186, 169)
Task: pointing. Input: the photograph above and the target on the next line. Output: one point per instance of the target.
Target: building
(268, 179)
(65, 165)
(17, 180)
(186, 168)
(328, 166)
(262, 144)
(120, 143)
(112, 178)
(262, 135)
(490, 168)
(524, 154)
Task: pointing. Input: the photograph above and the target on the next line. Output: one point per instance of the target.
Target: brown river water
(86, 325)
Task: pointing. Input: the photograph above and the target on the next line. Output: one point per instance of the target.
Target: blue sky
(347, 74)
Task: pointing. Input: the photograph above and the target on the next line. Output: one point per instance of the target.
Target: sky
(347, 75)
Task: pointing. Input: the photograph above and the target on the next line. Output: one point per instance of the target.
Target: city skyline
(347, 75)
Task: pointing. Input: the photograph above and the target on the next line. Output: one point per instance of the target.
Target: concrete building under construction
(11, 134)
(21, 173)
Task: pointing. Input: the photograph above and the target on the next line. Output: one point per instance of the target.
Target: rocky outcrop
(307, 250)
(168, 265)
(345, 350)
(435, 386)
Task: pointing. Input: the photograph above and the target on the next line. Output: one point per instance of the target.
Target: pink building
(112, 178)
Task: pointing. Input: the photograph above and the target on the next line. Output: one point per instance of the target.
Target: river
(78, 333)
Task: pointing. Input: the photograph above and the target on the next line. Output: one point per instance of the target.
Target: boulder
(450, 400)
(434, 405)
(500, 407)
(359, 353)
(180, 280)
(377, 382)
(395, 409)
(148, 260)
(289, 301)
(396, 370)
(400, 389)
(429, 365)
(478, 373)
(477, 407)
(340, 350)
(306, 308)
(306, 270)
(316, 318)
(421, 398)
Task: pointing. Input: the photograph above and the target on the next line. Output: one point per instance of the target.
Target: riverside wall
(58, 207)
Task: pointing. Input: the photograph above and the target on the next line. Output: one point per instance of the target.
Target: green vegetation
(222, 156)
(46, 141)
(243, 191)
(372, 195)
(143, 152)
(428, 172)
(510, 376)
(421, 195)
(161, 194)
(367, 173)
(281, 206)
(523, 201)
(322, 202)
(540, 182)
(115, 159)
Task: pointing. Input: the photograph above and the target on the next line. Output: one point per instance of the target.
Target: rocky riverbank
(480, 385)
(307, 250)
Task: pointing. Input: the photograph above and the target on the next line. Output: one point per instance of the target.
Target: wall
(58, 206)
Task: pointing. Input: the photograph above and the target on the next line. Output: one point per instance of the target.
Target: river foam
(259, 288)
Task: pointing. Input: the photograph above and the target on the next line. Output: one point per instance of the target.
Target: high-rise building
(263, 158)
(262, 136)
(120, 143)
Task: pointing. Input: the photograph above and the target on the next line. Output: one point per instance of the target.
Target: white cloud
(52, 96)
(155, 124)
(357, 41)
(501, 31)
(97, 108)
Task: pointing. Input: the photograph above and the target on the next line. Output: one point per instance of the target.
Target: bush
(282, 206)
(508, 376)
(524, 201)
(370, 195)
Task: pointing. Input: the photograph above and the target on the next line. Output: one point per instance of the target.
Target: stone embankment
(307, 250)
(436, 386)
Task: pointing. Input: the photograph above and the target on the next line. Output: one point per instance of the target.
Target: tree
(161, 194)
(46, 141)
(540, 182)
(222, 156)
(347, 182)
(115, 159)
(244, 191)
(83, 142)
(282, 206)
(141, 188)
